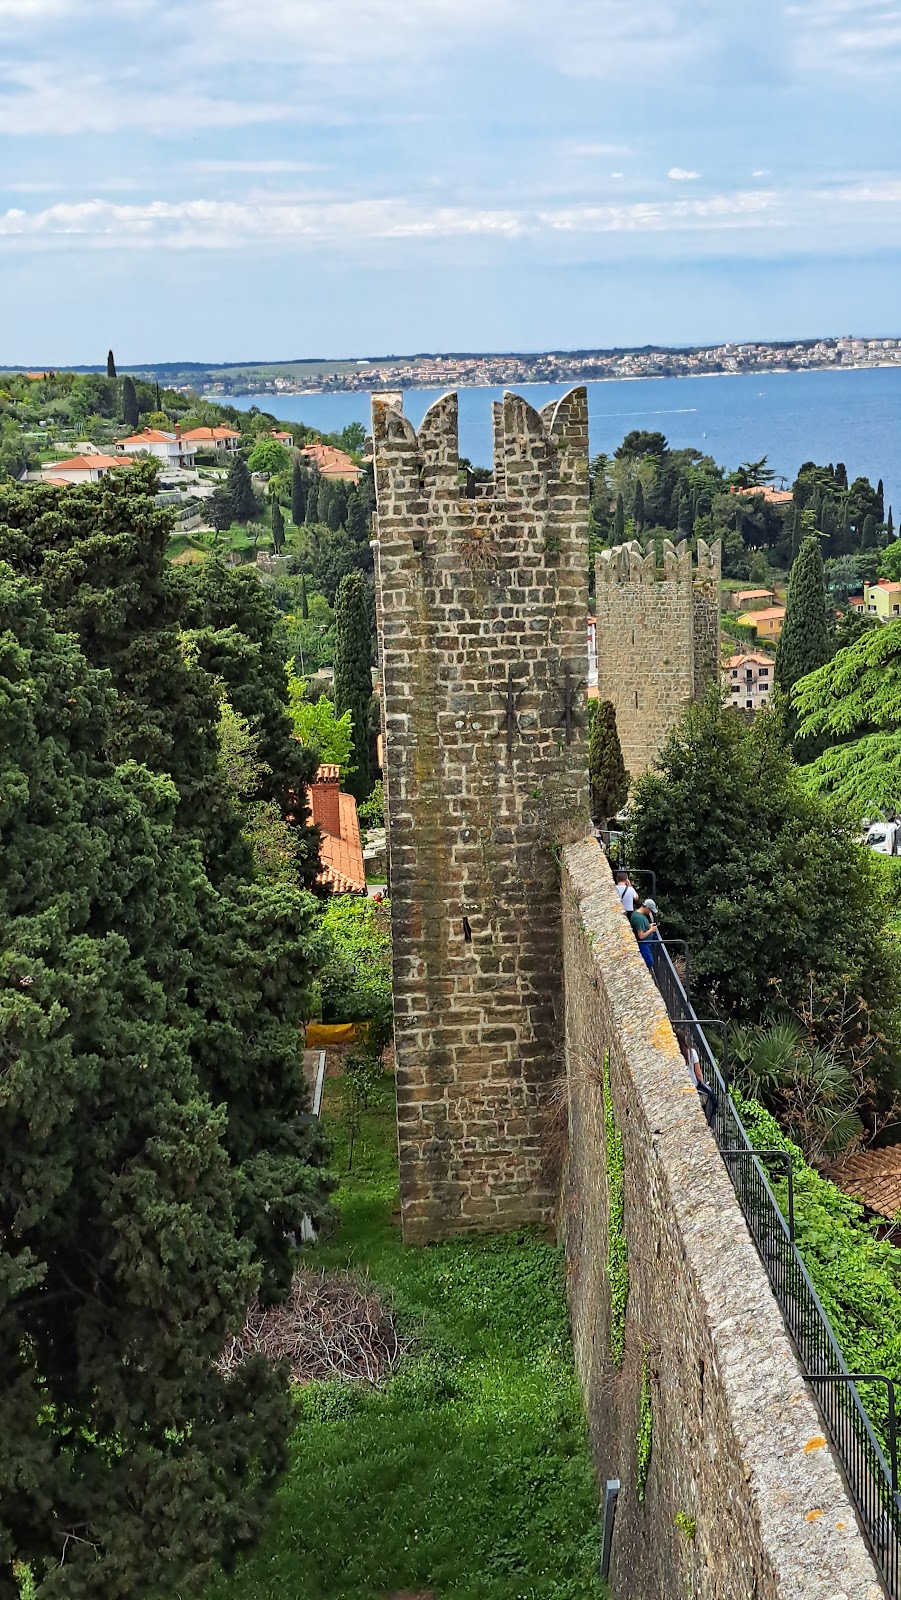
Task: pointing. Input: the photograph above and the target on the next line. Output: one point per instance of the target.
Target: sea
(852, 416)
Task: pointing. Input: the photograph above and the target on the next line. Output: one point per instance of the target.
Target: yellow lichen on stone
(816, 1443)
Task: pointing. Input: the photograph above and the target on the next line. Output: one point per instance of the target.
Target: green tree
(353, 437)
(638, 507)
(317, 727)
(240, 488)
(278, 526)
(607, 776)
(851, 708)
(130, 412)
(357, 518)
(268, 455)
(353, 675)
(334, 513)
(220, 510)
(807, 638)
(619, 521)
(304, 600)
(868, 532)
(298, 495)
(776, 898)
(110, 365)
(312, 511)
(130, 1464)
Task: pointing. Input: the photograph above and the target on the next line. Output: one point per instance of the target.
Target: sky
(216, 180)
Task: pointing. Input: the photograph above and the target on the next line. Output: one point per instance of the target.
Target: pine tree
(353, 675)
(240, 489)
(619, 521)
(841, 476)
(126, 1253)
(607, 775)
(807, 639)
(357, 518)
(220, 509)
(278, 526)
(110, 365)
(304, 601)
(638, 507)
(130, 412)
(298, 495)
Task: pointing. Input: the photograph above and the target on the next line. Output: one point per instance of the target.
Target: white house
(225, 441)
(81, 469)
(169, 448)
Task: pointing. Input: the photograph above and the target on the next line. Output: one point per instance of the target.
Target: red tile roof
(773, 497)
(83, 463)
(204, 435)
(331, 462)
(873, 1177)
(341, 853)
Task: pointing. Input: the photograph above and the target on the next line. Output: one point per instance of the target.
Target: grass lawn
(468, 1473)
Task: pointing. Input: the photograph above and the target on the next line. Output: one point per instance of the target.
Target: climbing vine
(617, 1255)
(645, 1429)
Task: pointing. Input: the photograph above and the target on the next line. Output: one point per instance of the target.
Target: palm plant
(811, 1090)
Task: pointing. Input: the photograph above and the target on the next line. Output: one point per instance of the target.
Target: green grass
(468, 1472)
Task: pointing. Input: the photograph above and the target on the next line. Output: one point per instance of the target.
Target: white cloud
(682, 175)
(263, 168)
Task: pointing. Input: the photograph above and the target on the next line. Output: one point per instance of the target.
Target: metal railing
(872, 1477)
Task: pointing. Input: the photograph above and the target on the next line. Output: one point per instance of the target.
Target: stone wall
(737, 1445)
(482, 603)
(657, 639)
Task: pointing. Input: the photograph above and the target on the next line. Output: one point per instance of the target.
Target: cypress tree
(889, 525)
(619, 521)
(110, 365)
(312, 512)
(334, 513)
(304, 601)
(298, 495)
(353, 676)
(126, 1252)
(868, 532)
(607, 775)
(880, 502)
(357, 518)
(240, 489)
(340, 497)
(278, 526)
(638, 507)
(841, 476)
(807, 639)
(130, 412)
(324, 505)
(159, 403)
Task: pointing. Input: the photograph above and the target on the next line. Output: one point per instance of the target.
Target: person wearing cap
(644, 927)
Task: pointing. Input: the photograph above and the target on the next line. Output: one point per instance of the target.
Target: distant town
(427, 371)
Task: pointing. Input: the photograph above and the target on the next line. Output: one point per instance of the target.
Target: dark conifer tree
(638, 508)
(353, 673)
(324, 505)
(278, 526)
(808, 634)
(607, 775)
(312, 511)
(110, 365)
(619, 521)
(841, 476)
(298, 494)
(880, 502)
(334, 513)
(130, 412)
(357, 518)
(889, 525)
(240, 488)
(868, 532)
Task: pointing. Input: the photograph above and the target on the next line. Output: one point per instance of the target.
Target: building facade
(748, 680)
(482, 601)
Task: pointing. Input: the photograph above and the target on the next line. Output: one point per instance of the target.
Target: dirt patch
(329, 1327)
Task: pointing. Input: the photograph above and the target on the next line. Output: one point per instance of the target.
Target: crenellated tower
(482, 600)
(658, 638)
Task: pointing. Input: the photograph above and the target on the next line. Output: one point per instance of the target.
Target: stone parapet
(742, 1496)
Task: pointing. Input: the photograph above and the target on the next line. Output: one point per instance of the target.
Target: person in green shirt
(644, 928)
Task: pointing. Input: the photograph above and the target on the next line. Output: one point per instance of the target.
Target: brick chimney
(324, 800)
(178, 430)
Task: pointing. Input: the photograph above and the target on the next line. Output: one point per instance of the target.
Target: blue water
(790, 417)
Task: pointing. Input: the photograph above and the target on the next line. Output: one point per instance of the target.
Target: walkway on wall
(872, 1479)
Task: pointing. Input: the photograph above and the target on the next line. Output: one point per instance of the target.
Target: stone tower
(482, 601)
(658, 639)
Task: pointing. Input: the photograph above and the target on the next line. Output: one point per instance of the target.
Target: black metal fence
(872, 1476)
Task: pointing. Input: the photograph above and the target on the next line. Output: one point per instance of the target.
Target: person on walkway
(709, 1097)
(627, 896)
(644, 928)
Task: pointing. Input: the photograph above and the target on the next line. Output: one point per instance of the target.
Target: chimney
(178, 430)
(325, 802)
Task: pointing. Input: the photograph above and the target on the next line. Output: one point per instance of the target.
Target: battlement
(539, 457)
(632, 563)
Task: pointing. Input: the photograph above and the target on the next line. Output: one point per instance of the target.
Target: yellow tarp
(322, 1035)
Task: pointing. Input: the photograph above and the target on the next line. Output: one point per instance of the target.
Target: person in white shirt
(627, 896)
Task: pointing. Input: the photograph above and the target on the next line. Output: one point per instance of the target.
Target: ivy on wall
(617, 1255)
(645, 1430)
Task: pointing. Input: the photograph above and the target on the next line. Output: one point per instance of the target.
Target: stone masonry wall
(657, 639)
(481, 615)
(737, 1443)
